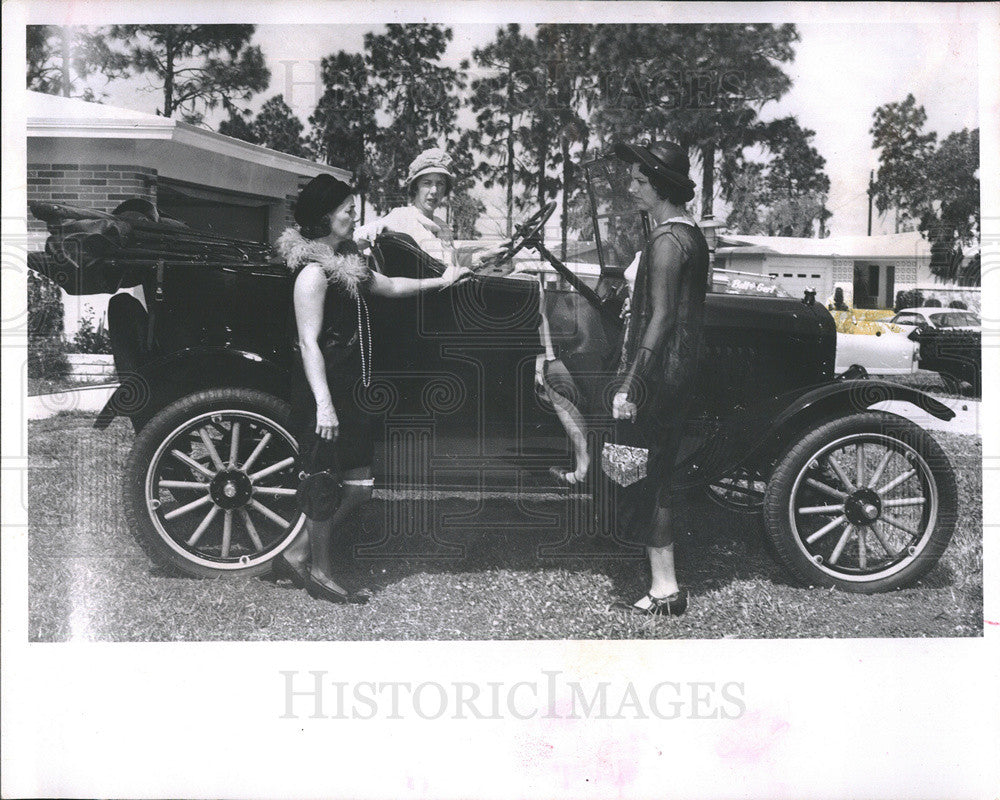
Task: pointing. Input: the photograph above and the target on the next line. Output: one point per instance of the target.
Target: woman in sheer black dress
(660, 354)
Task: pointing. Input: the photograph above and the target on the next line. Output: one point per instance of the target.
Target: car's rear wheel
(865, 503)
(210, 483)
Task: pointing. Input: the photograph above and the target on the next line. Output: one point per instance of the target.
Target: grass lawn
(89, 580)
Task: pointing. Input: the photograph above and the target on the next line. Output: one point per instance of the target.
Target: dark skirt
(355, 443)
(659, 428)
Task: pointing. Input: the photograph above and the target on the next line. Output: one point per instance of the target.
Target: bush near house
(910, 298)
(46, 342)
(90, 338)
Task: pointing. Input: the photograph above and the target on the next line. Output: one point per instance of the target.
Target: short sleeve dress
(672, 278)
(342, 337)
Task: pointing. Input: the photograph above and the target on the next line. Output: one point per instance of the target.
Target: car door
(453, 376)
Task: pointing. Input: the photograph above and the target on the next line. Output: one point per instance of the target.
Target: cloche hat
(435, 160)
(319, 197)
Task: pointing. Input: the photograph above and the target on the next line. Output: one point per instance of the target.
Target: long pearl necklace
(365, 334)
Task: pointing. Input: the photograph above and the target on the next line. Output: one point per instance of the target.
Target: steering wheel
(523, 234)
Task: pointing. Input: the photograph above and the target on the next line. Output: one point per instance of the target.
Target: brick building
(94, 155)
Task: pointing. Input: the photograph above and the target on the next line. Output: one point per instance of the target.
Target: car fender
(840, 398)
(164, 379)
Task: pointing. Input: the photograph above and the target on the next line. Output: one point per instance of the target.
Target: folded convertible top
(93, 252)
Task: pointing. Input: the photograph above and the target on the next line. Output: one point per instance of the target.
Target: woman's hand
(489, 254)
(327, 424)
(369, 231)
(623, 408)
(453, 274)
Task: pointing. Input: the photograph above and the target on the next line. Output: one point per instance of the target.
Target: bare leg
(661, 564)
(571, 419)
(661, 560)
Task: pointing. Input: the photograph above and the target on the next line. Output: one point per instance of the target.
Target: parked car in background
(882, 349)
(938, 318)
(950, 344)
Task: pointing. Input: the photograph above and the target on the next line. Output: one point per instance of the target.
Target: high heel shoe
(319, 591)
(568, 481)
(673, 605)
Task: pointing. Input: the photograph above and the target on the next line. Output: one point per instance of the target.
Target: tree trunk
(67, 79)
(168, 79)
(510, 175)
(707, 179)
(543, 152)
(564, 215)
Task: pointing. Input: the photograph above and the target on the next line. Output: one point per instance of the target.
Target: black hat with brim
(319, 197)
(667, 161)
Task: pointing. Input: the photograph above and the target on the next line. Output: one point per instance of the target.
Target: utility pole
(871, 196)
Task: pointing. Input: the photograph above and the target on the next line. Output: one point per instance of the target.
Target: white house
(870, 269)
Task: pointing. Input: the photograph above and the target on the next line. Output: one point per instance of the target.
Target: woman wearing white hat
(429, 181)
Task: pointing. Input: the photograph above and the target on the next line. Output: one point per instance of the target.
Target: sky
(842, 71)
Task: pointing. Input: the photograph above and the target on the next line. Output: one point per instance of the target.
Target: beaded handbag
(625, 465)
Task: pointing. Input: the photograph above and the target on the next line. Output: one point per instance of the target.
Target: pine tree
(62, 60)
(343, 129)
(904, 154)
(418, 96)
(276, 126)
(199, 67)
(499, 102)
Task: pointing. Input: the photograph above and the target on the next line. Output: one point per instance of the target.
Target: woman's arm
(309, 295)
(664, 290)
(384, 286)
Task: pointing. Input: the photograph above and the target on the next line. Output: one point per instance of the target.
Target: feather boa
(347, 271)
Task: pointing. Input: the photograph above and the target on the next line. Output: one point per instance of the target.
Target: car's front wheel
(210, 483)
(865, 503)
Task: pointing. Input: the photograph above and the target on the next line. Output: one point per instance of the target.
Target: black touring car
(858, 499)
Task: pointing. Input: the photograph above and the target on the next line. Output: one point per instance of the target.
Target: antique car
(860, 500)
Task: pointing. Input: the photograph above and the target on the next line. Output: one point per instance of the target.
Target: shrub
(910, 298)
(90, 338)
(961, 306)
(46, 346)
(932, 303)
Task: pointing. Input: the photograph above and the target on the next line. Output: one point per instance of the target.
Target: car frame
(209, 484)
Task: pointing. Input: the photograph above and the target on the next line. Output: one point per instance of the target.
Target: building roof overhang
(67, 117)
(889, 246)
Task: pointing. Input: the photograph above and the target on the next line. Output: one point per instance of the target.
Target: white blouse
(431, 234)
